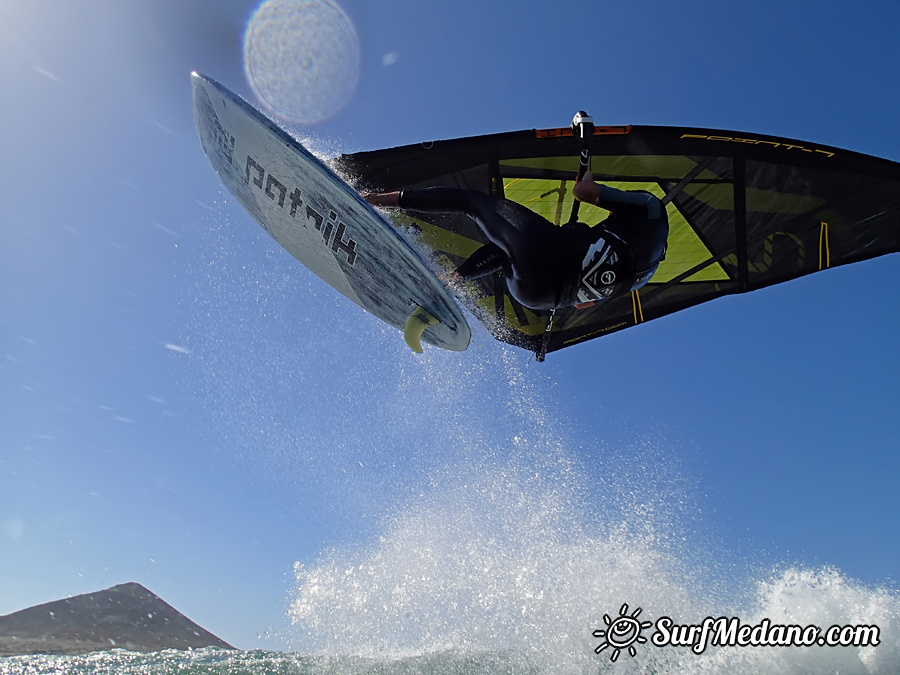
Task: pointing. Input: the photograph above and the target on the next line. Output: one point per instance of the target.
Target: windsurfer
(548, 267)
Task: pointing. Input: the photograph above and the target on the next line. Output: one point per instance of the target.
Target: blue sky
(186, 407)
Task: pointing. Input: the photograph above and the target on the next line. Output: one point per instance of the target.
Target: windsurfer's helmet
(605, 271)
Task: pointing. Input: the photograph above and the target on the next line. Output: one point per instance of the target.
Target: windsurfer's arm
(586, 190)
(615, 200)
(432, 199)
(389, 200)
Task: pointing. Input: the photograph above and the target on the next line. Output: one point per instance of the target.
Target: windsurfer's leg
(529, 245)
(538, 270)
(486, 260)
(437, 199)
(503, 236)
(507, 225)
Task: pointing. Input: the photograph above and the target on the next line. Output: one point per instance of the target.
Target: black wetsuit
(548, 266)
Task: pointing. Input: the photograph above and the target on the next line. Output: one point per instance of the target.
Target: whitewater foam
(512, 552)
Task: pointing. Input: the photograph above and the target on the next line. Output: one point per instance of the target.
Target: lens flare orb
(302, 58)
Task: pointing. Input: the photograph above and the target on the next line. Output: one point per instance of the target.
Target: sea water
(259, 662)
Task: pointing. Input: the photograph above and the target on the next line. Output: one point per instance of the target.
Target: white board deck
(318, 218)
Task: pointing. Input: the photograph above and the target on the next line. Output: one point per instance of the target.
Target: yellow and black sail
(745, 211)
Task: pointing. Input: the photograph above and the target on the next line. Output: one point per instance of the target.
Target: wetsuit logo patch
(608, 278)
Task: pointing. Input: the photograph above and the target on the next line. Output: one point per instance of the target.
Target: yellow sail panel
(553, 200)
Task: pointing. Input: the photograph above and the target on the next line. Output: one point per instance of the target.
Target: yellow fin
(416, 324)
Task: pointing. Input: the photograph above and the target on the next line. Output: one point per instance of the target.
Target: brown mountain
(127, 616)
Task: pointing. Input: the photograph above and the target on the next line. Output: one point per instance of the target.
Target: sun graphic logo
(622, 632)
